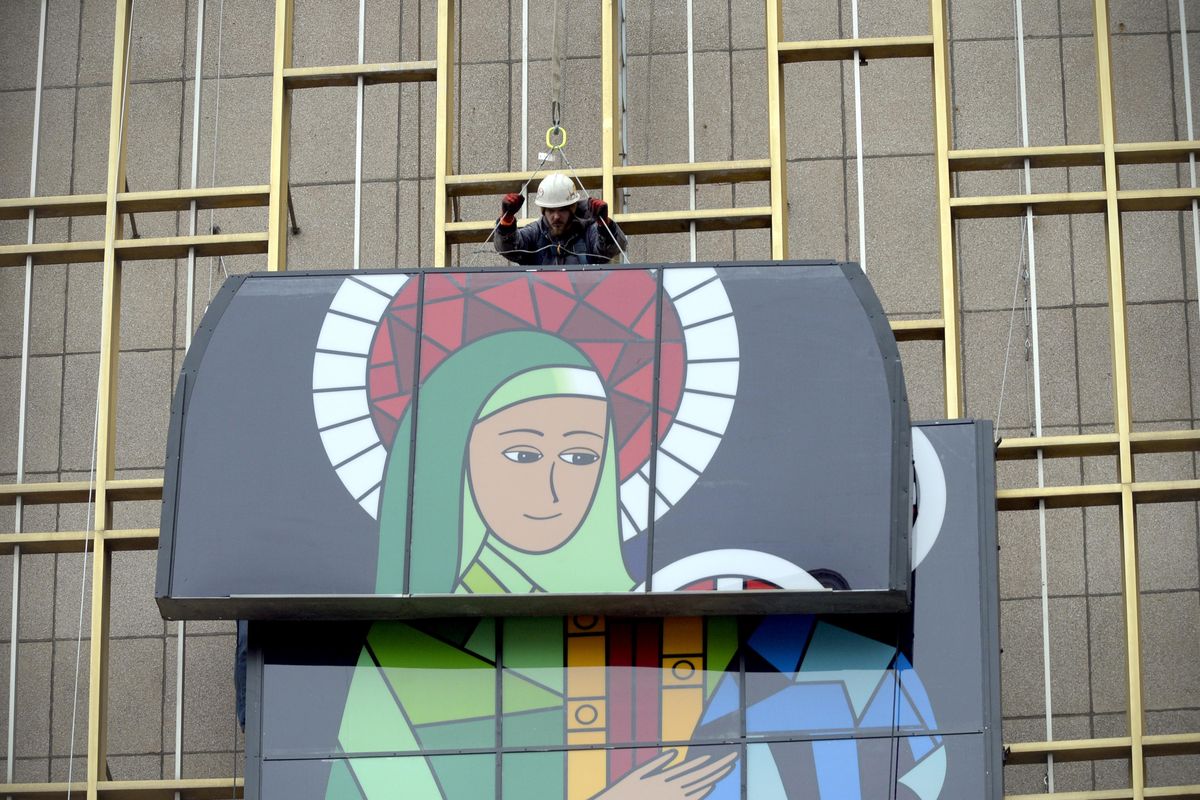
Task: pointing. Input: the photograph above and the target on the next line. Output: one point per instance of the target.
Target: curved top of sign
(667, 439)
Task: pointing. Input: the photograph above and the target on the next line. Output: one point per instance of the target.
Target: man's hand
(694, 779)
(599, 209)
(509, 207)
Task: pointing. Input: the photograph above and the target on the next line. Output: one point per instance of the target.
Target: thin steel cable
(1191, 135)
(88, 519)
(216, 141)
(26, 332)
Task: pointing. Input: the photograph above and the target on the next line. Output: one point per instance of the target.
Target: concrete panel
(379, 220)
(1158, 365)
(1068, 649)
(327, 237)
(322, 144)
(1044, 88)
(145, 382)
(923, 379)
(580, 116)
(713, 107)
(1057, 332)
(1154, 268)
(748, 24)
(90, 168)
(42, 421)
(16, 141)
(70, 584)
(409, 146)
(32, 726)
(19, 44)
(135, 696)
(984, 21)
(147, 304)
(887, 18)
(324, 32)
(410, 219)
(1130, 16)
(243, 131)
(749, 105)
(12, 316)
(814, 110)
(1167, 555)
(802, 19)
(136, 768)
(383, 30)
(152, 136)
(1021, 658)
(156, 41)
(897, 105)
(31, 769)
(38, 600)
(1107, 654)
(62, 44)
(483, 31)
(1079, 67)
(132, 608)
(1165, 466)
(380, 131)
(816, 210)
(1020, 571)
(1031, 778)
(1095, 366)
(483, 104)
(985, 336)
(1171, 650)
(56, 144)
(1141, 91)
(902, 250)
(984, 94)
(69, 698)
(209, 721)
(96, 42)
(244, 37)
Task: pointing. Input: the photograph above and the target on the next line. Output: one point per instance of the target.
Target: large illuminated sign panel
(668, 439)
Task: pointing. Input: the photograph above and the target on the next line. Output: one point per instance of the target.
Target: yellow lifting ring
(550, 133)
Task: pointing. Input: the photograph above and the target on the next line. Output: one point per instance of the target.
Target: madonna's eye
(579, 458)
(523, 455)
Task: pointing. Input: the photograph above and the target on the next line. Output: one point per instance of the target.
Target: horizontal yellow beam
(223, 244)
(989, 207)
(485, 183)
(1165, 441)
(1156, 199)
(1067, 750)
(1067, 446)
(1070, 155)
(641, 175)
(70, 205)
(92, 205)
(911, 330)
(73, 541)
(185, 788)
(80, 491)
(709, 219)
(181, 199)
(14, 255)
(1098, 494)
(843, 49)
(348, 74)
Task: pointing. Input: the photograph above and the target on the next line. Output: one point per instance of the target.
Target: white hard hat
(556, 191)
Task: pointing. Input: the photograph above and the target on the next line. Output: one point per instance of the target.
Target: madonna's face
(534, 467)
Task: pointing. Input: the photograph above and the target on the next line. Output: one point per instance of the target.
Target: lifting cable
(27, 306)
(556, 140)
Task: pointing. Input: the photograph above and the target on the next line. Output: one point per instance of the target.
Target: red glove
(599, 209)
(509, 207)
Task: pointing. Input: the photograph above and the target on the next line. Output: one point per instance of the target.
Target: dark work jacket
(584, 242)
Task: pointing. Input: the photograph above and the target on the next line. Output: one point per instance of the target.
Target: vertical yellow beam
(610, 144)
(1122, 412)
(943, 134)
(110, 326)
(281, 125)
(444, 139)
(776, 135)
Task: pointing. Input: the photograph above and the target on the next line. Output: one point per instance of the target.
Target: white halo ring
(733, 563)
(710, 384)
(931, 505)
(340, 401)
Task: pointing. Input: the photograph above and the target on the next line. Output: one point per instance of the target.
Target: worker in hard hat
(573, 228)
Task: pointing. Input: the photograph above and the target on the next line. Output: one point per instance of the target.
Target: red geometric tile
(514, 298)
(431, 356)
(636, 355)
(381, 346)
(603, 354)
(640, 384)
(623, 295)
(394, 407)
(382, 381)
(443, 322)
(440, 286)
(484, 320)
(645, 324)
(553, 306)
(588, 324)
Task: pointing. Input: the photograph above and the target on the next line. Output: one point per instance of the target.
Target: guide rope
(91, 492)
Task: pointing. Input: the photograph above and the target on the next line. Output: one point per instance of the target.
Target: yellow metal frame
(1121, 444)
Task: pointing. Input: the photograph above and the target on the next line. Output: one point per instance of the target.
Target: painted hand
(654, 780)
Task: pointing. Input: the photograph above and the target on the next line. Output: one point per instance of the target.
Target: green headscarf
(447, 533)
